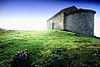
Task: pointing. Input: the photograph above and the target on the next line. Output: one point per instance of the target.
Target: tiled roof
(71, 10)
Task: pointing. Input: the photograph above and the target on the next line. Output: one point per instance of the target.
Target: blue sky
(32, 14)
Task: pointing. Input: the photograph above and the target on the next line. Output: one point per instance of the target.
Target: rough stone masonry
(73, 19)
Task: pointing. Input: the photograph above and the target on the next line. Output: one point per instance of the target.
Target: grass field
(41, 44)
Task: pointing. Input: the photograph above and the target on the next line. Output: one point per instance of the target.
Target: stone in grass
(21, 59)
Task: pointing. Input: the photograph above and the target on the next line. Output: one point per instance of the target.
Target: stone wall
(81, 22)
(56, 22)
(76, 20)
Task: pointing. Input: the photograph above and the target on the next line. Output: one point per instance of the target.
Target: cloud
(97, 25)
(23, 23)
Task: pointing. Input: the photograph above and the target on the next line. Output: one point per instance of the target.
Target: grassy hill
(44, 46)
(1, 29)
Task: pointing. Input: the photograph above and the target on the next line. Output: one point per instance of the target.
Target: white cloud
(97, 26)
(23, 23)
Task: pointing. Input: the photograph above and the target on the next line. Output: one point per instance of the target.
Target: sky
(32, 14)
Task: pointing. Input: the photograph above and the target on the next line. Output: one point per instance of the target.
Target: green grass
(40, 44)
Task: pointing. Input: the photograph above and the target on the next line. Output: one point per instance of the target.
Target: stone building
(73, 19)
